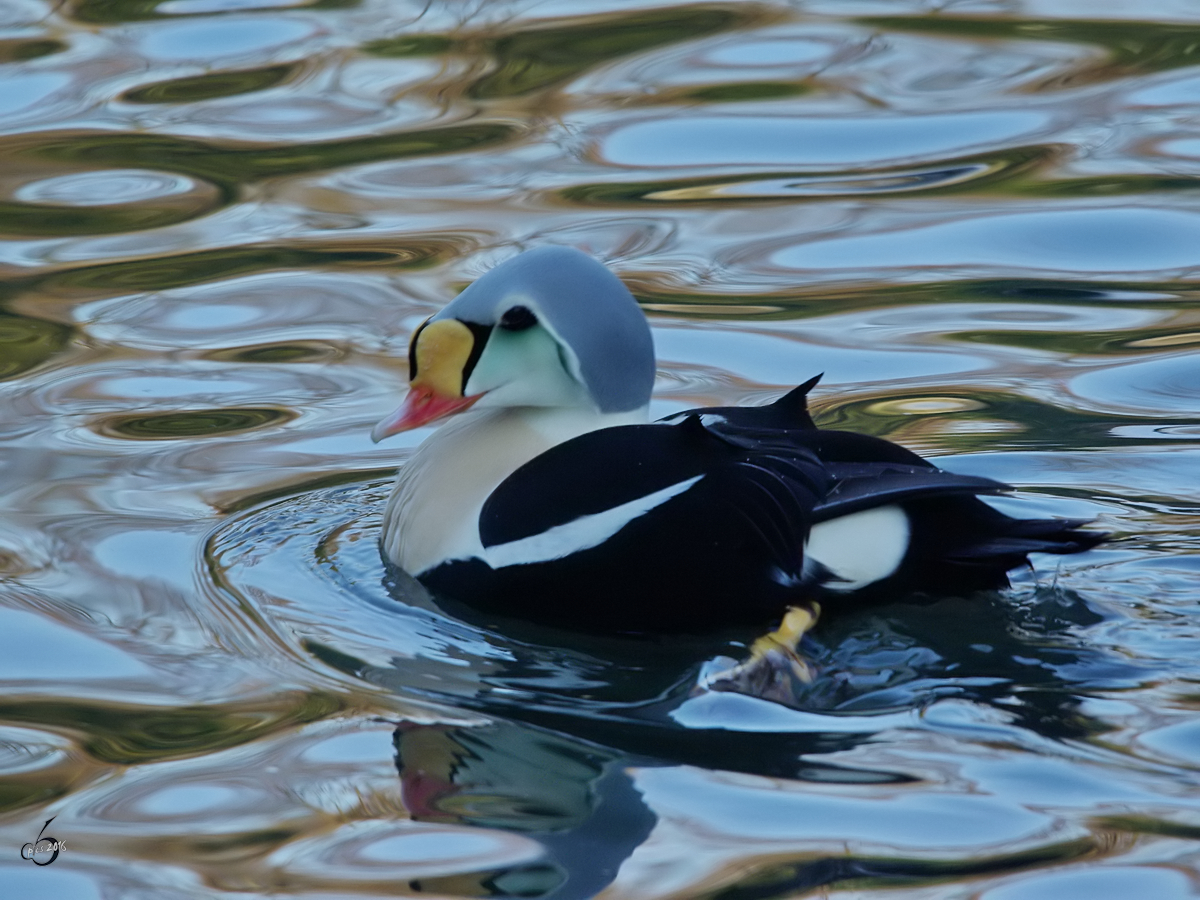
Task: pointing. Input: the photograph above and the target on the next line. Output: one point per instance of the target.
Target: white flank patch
(581, 534)
(860, 548)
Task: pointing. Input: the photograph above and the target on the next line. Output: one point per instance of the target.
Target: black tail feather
(1022, 536)
(962, 543)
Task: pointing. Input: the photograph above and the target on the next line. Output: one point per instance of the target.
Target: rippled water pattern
(221, 219)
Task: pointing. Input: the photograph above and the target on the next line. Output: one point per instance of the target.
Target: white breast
(433, 513)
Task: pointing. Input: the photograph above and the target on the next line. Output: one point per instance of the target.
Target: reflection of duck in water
(571, 781)
(553, 501)
(575, 797)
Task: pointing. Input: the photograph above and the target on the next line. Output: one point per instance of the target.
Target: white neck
(433, 513)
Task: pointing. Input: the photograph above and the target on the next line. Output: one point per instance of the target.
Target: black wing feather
(605, 469)
(859, 486)
(593, 473)
(769, 494)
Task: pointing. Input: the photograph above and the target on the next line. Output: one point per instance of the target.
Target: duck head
(549, 328)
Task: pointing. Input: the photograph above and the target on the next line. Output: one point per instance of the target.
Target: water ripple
(220, 221)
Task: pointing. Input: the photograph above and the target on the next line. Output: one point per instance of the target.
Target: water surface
(220, 220)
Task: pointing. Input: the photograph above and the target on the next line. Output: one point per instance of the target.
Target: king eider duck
(551, 498)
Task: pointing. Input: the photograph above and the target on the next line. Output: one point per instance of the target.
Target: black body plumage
(729, 547)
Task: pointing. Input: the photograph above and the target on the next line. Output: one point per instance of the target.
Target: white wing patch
(860, 548)
(581, 534)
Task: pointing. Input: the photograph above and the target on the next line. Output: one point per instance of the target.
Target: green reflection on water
(975, 173)
(16, 794)
(225, 166)
(1146, 825)
(110, 11)
(193, 423)
(850, 872)
(1133, 47)
(27, 342)
(38, 220)
(537, 58)
(163, 272)
(744, 91)
(1089, 343)
(289, 352)
(14, 50)
(1106, 185)
(986, 420)
(231, 164)
(122, 734)
(533, 59)
(237, 846)
(814, 301)
(212, 84)
(102, 11)
(1017, 171)
(410, 45)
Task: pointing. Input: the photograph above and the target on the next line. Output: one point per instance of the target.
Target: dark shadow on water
(573, 718)
(1017, 655)
(1020, 650)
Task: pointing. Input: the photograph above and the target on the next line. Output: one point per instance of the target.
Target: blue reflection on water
(814, 140)
(1094, 240)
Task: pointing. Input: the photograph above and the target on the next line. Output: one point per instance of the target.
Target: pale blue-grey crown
(578, 299)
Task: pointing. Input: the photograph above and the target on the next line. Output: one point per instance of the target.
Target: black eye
(518, 318)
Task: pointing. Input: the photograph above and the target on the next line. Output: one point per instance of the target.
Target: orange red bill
(420, 407)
